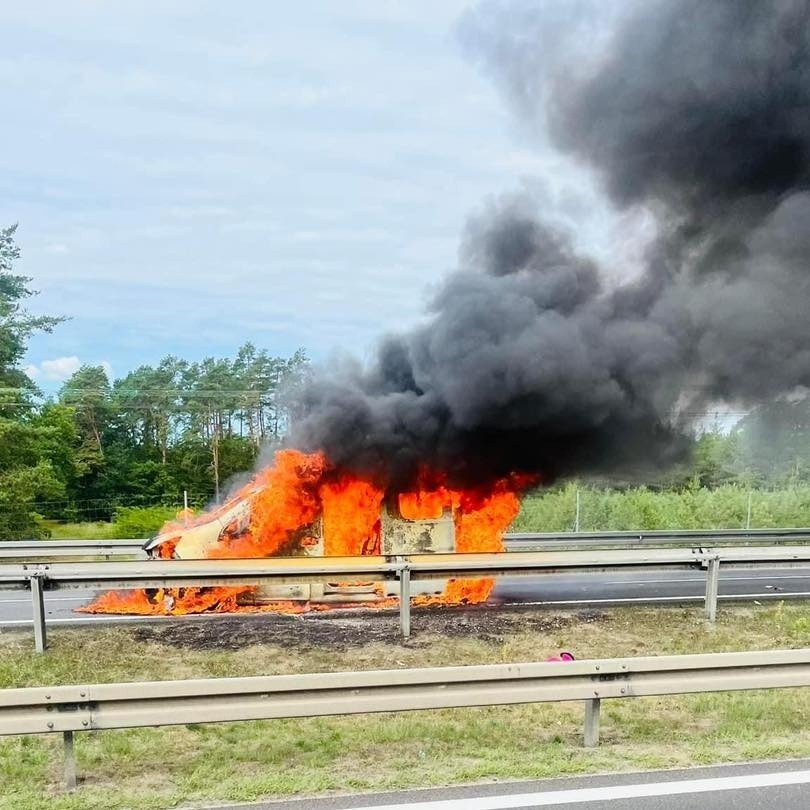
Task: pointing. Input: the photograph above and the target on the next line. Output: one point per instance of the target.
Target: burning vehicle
(302, 505)
(397, 535)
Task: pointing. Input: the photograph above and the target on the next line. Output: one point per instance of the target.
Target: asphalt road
(651, 586)
(783, 785)
(615, 587)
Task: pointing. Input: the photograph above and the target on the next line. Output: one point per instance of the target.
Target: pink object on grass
(563, 656)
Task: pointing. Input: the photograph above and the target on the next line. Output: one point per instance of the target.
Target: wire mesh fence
(101, 518)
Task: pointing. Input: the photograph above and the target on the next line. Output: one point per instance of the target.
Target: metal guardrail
(652, 539)
(38, 577)
(535, 541)
(67, 709)
(59, 549)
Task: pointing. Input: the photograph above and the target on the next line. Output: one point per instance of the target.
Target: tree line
(142, 439)
(178, 426)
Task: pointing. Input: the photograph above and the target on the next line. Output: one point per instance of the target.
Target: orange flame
(481, 518)
(277, 513)
(287, 502)
(351, 516)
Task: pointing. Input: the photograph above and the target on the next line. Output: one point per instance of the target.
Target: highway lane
(651, 586)
(758, 786)
(612, 587)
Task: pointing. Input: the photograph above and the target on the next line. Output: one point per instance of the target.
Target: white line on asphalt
(47, 599)
(654, 581)
(723, 578)
(649, 600)
(553, 798)
(770, 576)
(107, 619)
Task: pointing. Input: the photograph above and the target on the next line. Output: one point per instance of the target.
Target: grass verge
(157, 768)
(81, 531)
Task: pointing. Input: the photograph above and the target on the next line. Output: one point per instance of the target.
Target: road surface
(782, 785)
(617, 587)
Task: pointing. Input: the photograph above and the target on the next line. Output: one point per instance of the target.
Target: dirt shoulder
(342, 630)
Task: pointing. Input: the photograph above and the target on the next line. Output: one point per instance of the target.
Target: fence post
(70, 760)
(592, 711)
(405, 602)
(38, 604)
(712, 583)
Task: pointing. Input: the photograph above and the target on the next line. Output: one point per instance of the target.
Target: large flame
(288, 507)
(351, 516)
(481, 517)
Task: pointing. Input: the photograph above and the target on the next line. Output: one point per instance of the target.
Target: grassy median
(187, 765)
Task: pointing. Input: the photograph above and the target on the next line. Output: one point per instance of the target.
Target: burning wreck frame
(301, 506)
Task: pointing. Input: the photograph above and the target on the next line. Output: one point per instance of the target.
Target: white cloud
(56, 370)
(183, 196)
(60, 368)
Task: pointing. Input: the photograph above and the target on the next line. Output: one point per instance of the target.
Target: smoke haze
(529, 361)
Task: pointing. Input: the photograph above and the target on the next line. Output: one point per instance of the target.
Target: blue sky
(188, 176)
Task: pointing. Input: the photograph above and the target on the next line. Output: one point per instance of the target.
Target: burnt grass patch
(342, 629)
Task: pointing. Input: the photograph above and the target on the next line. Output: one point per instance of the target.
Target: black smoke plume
(695, 110)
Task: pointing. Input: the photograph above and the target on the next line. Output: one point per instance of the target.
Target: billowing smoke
(695, 110)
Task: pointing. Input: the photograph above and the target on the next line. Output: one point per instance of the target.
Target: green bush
(724, 507)
(141, 521)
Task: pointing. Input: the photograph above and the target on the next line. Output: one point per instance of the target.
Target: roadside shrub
(141, 521)
(724, 507)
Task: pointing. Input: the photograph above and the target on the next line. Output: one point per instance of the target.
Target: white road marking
(654, 581)
(698, 579)
(554, 798)
(47, 599)
(648, 600)
(770, 576)
(108, 619)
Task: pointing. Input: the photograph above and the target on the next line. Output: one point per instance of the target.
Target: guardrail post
(712, 584)
(38, 601)
(70, 760)
(592, 712)
(405, 601)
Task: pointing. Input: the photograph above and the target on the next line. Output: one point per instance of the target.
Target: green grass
(130, 522)
(151, 768)
(82, 531)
